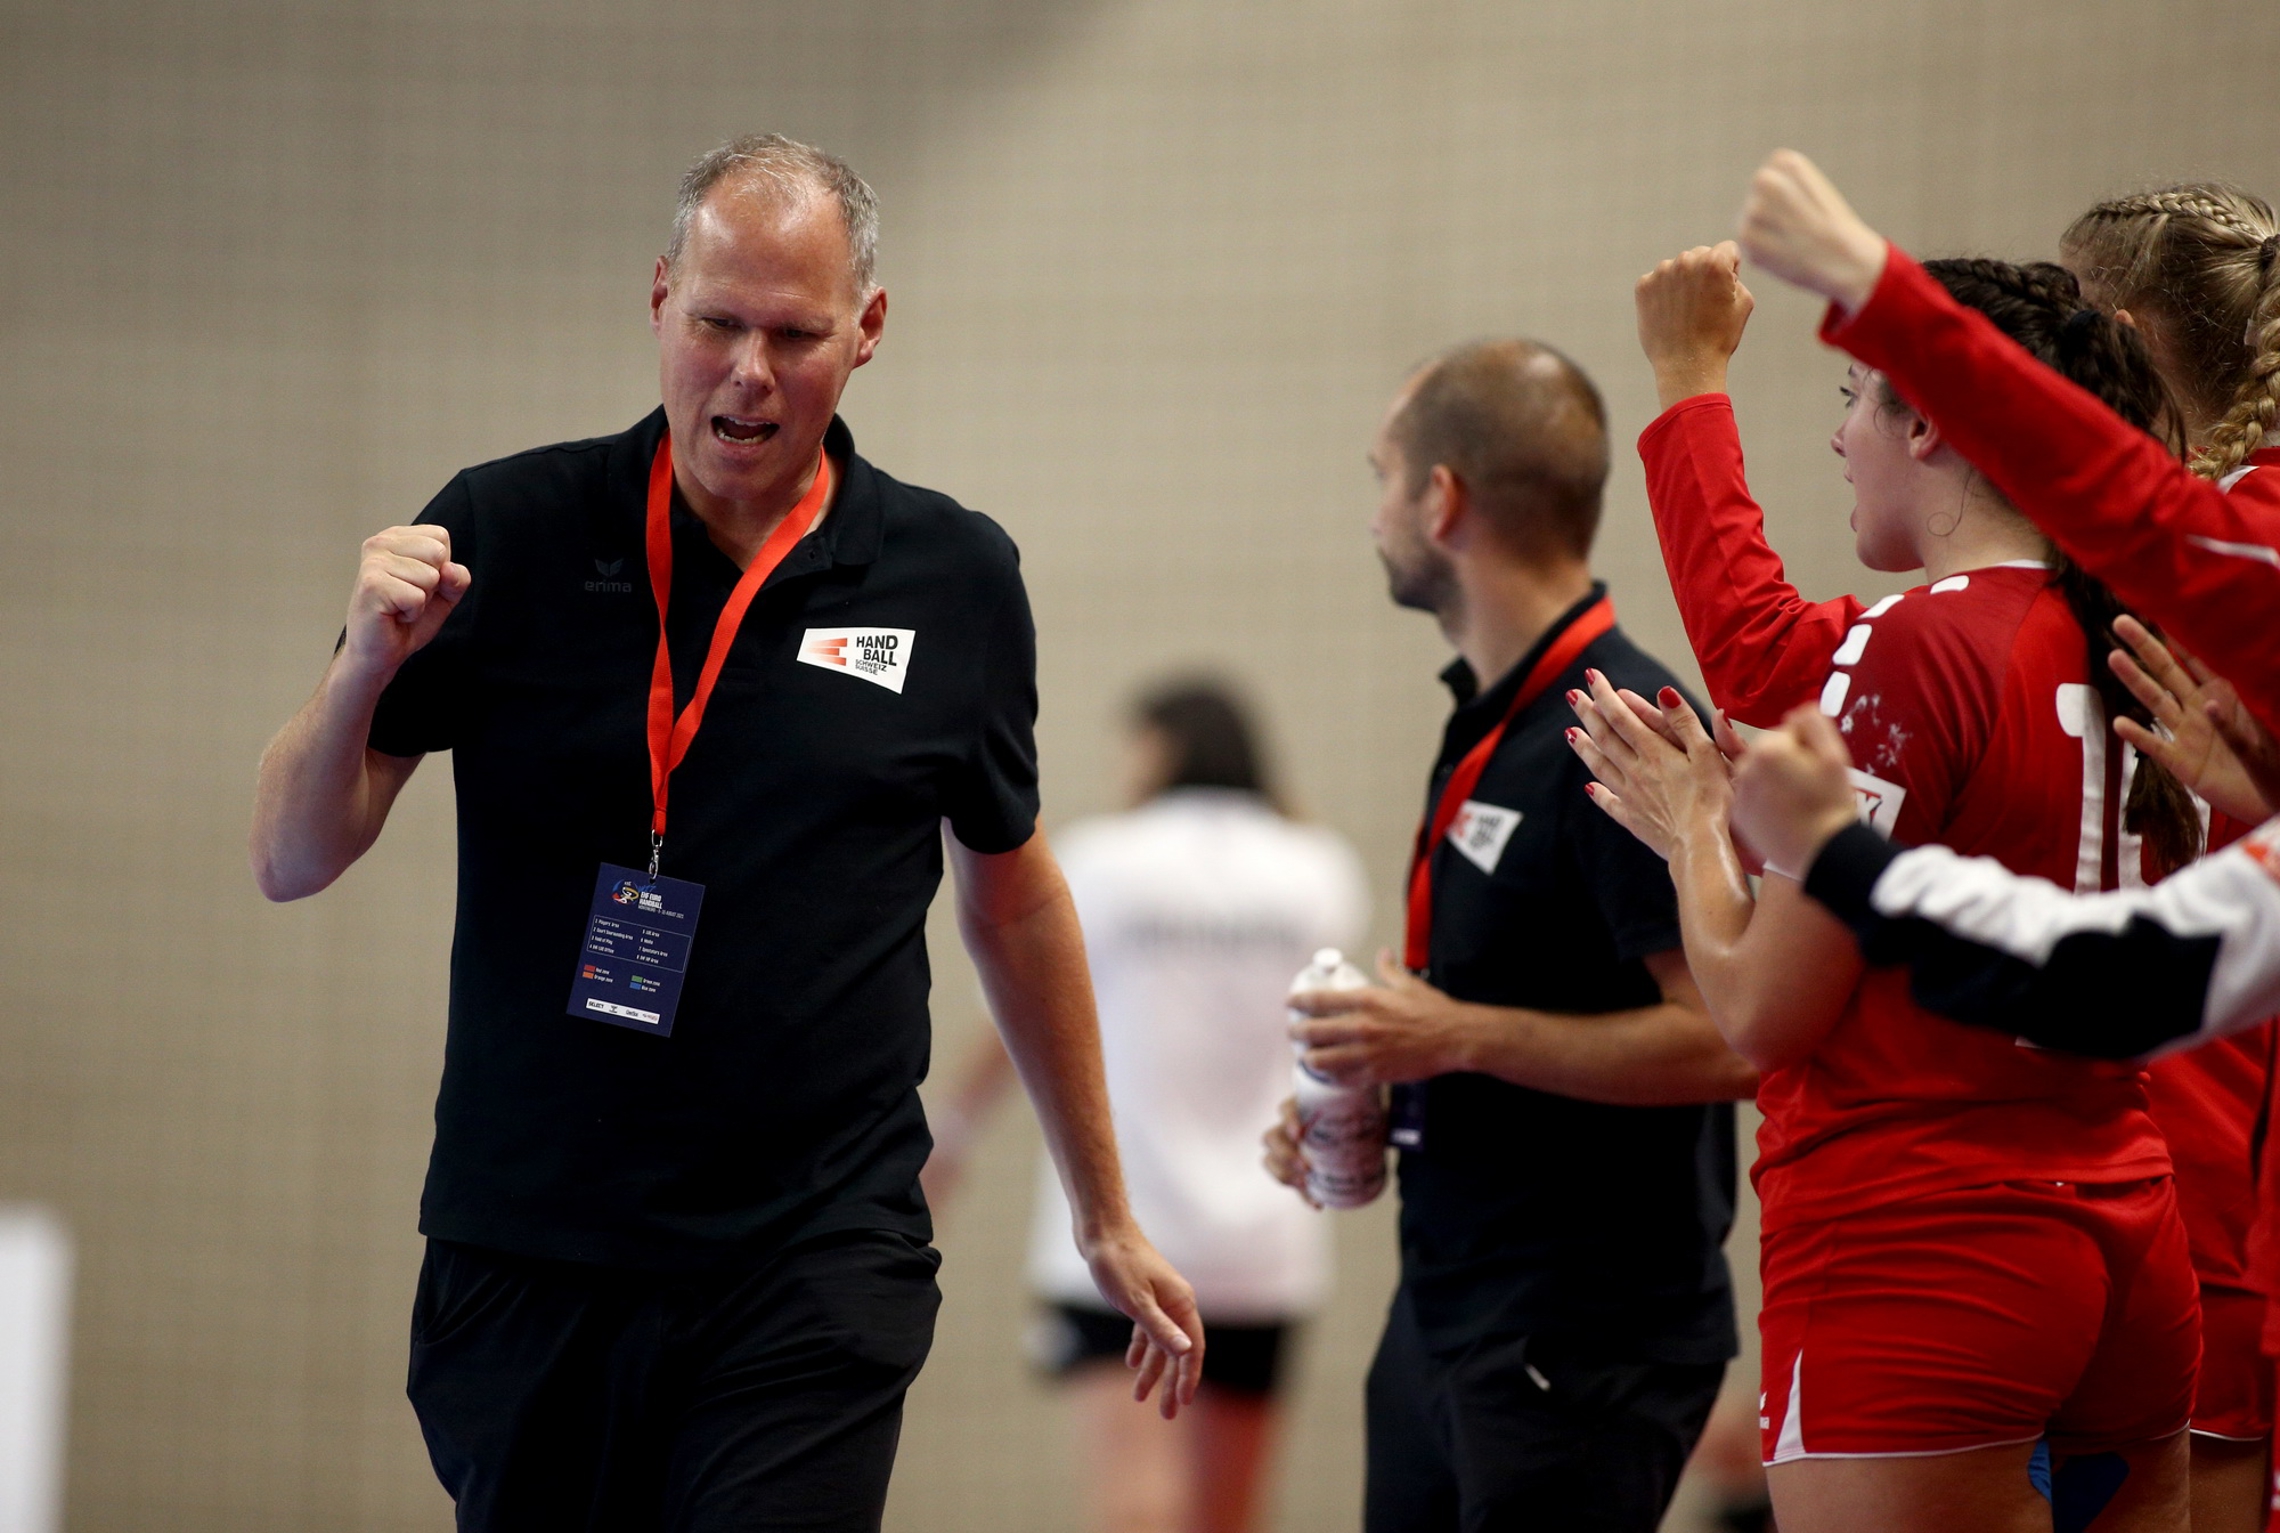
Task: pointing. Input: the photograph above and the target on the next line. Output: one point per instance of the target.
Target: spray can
(1343, 1128)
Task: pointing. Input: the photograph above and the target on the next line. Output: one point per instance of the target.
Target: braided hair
(2201, 262)
(2040, 306)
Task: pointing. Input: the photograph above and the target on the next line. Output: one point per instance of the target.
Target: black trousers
(1514, 1437)
(557, 1397)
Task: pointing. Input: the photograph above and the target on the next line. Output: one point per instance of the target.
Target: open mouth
(732, 428)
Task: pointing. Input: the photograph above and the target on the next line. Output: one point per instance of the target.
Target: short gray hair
(788, 166)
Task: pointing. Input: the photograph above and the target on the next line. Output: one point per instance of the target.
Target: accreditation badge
(636, 952)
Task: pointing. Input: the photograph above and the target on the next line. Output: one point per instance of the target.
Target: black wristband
(1844, 875)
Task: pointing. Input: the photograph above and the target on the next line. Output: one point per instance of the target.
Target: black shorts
(1242, 1359)
(562, 1398)
(1515, 1434)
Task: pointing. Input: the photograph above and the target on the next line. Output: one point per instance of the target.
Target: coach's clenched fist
(406, 586)
(324, 792)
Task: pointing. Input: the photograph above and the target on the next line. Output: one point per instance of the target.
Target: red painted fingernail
(1669, 697)
(1571, 737)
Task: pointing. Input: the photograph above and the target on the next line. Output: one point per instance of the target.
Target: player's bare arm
(1774, 968)
(322, 794)
(1021, 927)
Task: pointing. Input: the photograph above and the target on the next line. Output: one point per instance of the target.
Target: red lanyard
(1596, 620)
(669, 737)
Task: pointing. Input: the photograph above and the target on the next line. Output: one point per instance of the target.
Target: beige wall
(273, 271)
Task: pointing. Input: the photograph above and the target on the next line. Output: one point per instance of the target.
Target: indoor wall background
(272, 272)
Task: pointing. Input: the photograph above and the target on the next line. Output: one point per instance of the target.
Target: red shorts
(2236, 1391)
(1981, 1316)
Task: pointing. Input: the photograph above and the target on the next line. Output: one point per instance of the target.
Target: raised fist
(1797, 225)
(1692, 308)
(406, 586)
(1791, 793)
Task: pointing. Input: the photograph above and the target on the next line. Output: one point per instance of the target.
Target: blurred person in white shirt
(1198, 903)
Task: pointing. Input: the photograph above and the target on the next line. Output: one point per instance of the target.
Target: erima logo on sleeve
(879, 655)
(1480, 831)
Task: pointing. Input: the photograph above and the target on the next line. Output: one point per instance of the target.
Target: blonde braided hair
(2201, 263)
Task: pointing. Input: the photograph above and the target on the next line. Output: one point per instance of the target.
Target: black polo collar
(1465, 687)
(851, 535)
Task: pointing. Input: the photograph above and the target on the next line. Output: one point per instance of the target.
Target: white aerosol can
(1342, 1127)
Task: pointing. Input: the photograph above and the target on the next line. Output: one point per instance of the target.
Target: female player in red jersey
(1969, 1245)
(2194, 267)
(2203, 267)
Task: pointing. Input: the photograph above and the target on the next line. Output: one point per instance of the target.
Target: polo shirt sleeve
(424, 708)
(991, 802)
(1629, 885)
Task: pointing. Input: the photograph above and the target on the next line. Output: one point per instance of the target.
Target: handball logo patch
(1877, 800)
(1480, 831)
(880, 655)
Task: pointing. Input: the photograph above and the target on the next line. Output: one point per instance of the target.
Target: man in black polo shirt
(678, 1273)
(1567, 1154)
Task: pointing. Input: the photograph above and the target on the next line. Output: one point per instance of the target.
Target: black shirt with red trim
(810, 806)
(1525, 1212)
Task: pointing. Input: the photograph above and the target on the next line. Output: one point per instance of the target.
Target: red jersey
(2200, 560)
(2212, 1104)
(2179, 551)
(1969, 710)
(1970, 714)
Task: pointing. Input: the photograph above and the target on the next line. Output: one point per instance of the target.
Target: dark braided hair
(2040, 306)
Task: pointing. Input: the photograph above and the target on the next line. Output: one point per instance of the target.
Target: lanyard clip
(656, 847)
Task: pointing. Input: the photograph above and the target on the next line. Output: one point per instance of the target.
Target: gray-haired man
(713, 686)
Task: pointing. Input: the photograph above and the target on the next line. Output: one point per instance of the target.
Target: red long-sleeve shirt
(2201, 560)
(1956, 699)
(2182, 553)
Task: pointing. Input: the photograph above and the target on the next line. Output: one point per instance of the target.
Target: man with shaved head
(720, 695)
(1559, 1092)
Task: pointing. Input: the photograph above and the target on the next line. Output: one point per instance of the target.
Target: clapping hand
(2207, 740)
(1660, 774)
